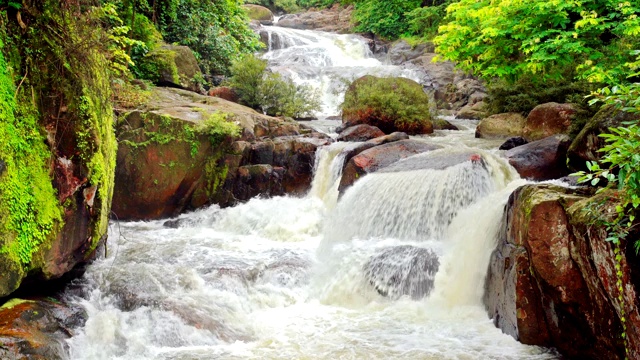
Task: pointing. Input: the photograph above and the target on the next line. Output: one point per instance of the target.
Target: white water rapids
(305, 278)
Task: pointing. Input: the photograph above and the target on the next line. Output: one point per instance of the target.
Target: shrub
(384, 18)
(391, 104)
(270, 92)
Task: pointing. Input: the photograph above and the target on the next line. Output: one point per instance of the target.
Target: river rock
(440, 74)
(472, 112)
(37, 329)
(362, 132)
(334, 19)
(362, 105)
(501, 126)
(377, 157)
(401, 51)
(548, 119)
(259, 13)
(541, 160)
(442, 124)
(586, 145)
(166, 165)
(552, 277)
(402, 270)
(513, 143)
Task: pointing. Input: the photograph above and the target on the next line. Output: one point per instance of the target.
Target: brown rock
(37, 329)
(335, 19)
(552, 277)
(224, 92)
(378, 157)
(362, 132)
(541, 160)
(548, 119)
(501, 126)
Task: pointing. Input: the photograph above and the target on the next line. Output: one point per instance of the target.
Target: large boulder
(362, 132)
(168, 161)
(391, 104)
(335, 19)
(259, 13)
(37, 329)
(553, 277)
(472, 112)
(378, 157)
(501, 126)
(173, 65)
(586, 145)
(541, 160)
(224, 92)
(548, 119)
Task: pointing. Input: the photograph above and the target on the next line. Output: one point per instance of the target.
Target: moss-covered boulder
(586, 145)
(501, 126)
(181, 152)
(553, 276)
(57, 144)
(260, 13)
(390, 104)
(172, 65)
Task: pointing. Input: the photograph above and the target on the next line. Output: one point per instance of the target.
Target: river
(306, 277)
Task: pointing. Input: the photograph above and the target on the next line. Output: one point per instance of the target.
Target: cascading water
(302, 278)
(392, 270)
(326, 62)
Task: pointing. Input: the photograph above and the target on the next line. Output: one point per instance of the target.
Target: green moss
(158, 64)
(13, 303)
(29, 209)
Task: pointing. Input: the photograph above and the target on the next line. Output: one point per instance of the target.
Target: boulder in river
(544, 159)
(402, 270)
(501, 126)
(513, 143)
(391, 104)
(334, 19)
(361, 132)
(259, 13)
(548, 119)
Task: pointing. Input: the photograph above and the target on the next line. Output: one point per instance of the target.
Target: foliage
(384, 18)
(270, 92)
(219, 126)
(387, 103)
(507, 38)
(423, 22)
(528, 91)
(217, 32)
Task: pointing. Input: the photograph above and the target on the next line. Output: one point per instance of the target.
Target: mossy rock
(390, 104)
(585, 147)
(260, 13)
(172, 65)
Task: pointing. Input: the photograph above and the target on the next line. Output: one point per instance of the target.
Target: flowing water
(393, 269)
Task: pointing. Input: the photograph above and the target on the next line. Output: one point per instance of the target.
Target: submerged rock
(402, 270)
(37, 329)
(552, 278)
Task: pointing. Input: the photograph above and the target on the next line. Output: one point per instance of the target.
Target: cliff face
(553, 278)
(57, 145)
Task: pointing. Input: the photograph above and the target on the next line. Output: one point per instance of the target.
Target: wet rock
(586, 145)
(472, 112)
(548, 119)
(260, 13)
(501, 126)
(401, 51)
(378, 157)
(442, 124)
(360, 132)
(402, 270)
(435, 161)
(396, 136)
(166, 166)
(224, 92)
(513, 143)
(335, 19)
(37, 329)
(541, 160)
(552, 277)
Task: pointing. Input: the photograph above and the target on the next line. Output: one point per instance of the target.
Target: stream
(392, 269)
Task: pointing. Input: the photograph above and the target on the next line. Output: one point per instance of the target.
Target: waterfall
(328, 171)
(326, 62)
